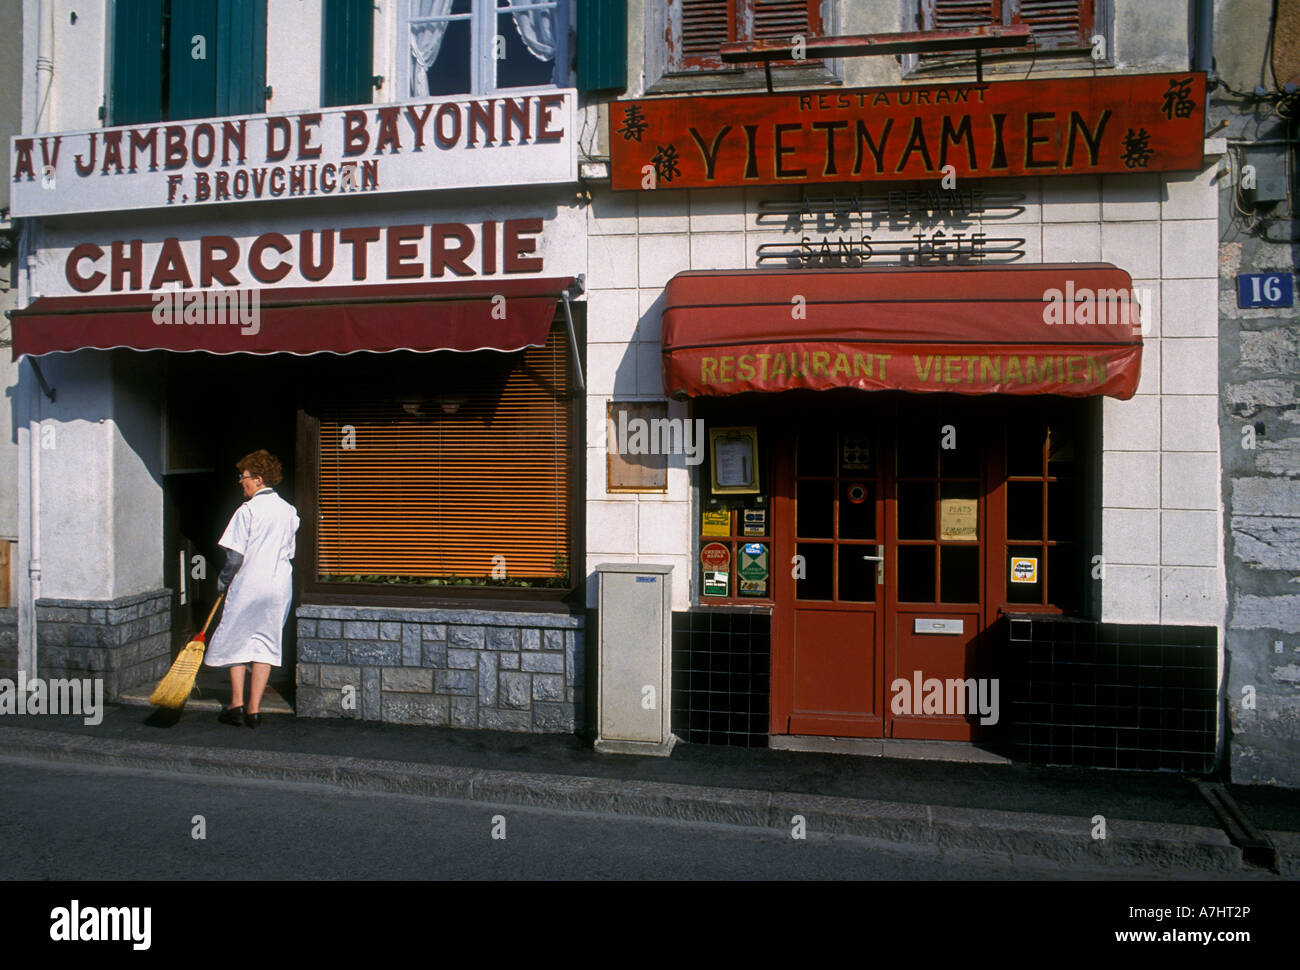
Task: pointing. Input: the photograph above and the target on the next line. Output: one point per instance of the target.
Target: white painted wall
(101, 495)
(1160, 495)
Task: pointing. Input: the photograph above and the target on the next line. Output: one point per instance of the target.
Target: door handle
(879, 560)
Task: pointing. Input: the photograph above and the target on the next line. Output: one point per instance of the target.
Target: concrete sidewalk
(1151, 819)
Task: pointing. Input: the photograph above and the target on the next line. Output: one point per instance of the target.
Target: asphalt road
(80, 822)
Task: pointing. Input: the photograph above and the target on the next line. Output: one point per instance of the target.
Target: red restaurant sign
(1061, 126)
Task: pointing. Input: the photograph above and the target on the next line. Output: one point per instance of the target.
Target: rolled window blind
(427, 493)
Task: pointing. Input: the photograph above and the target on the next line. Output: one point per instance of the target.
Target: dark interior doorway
(218, 409)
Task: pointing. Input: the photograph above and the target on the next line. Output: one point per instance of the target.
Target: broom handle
(204, 631)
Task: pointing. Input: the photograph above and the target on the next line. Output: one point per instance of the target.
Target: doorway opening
(218, 409)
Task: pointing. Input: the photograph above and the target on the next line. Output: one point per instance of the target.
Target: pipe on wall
(1203, 36)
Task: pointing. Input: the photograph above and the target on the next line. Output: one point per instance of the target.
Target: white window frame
(482, 18)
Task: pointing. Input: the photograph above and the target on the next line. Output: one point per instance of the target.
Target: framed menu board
(733, 455)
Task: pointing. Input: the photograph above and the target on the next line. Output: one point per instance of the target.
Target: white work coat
(257, 603)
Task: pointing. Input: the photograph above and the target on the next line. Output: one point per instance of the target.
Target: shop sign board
(1058, 126)
(959, 519)
(752, 570)
(715, 556)
(715, 523)
(445, 143)
(1024, 569)
(292, 249)
(1264, 289)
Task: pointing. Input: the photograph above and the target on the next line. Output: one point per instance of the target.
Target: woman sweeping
(259, 542)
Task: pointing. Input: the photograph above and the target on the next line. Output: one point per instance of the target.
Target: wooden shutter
(136, 63)
(241, 57)
(1053, 23)
(602, 45)
(347, 40)
(705, 25)
(439, 495)
(781, 19)
(192, 82)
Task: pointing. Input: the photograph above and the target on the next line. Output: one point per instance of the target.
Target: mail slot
(937, 625)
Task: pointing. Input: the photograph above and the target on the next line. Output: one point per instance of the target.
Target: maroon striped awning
(463, 315)
(1069, 328)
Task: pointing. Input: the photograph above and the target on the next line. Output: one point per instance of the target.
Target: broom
(174, 689)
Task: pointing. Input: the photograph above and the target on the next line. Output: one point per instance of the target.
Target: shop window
(1056, 27)
(734, 530)
(175, 59)
(1044, 515)
(938, 491)
(462, 479)
(347, 52)
(480, 46)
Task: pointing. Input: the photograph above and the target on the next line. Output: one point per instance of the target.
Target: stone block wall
(126, 641)
(451, 668)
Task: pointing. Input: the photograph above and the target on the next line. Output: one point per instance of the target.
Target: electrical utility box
(633, 704)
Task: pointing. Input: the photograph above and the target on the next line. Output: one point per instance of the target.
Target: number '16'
(1272, 288)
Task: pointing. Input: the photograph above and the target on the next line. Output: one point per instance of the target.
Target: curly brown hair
(261, 464)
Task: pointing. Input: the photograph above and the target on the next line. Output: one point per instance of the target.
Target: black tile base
(721, 661)
(1106, 695)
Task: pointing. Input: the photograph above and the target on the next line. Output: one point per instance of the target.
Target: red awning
(1065, 328)
(463, 315)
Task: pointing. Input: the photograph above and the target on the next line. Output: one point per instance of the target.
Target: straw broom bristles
(174, 689)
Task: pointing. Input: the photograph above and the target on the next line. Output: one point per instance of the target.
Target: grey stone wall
(1259, 407)
(126, 641)
(452, 668)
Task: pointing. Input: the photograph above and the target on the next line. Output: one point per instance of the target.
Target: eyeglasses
(243, 476)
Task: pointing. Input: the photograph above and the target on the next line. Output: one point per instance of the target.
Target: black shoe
(252, 720)
(231, 715)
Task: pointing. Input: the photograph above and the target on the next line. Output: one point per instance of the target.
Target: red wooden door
(828, 624)
(936, 530)
(859, 641)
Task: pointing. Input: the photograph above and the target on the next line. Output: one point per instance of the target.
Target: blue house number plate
(1264, 289)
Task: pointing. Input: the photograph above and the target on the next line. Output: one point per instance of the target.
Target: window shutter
(602, 45)
(192, 82)
(705, 26)
(241, 57)
(1055, 23)
(346, 52)
(780, 20)
(708, 24)
(437, 495)
(136, 63)
(960, 14)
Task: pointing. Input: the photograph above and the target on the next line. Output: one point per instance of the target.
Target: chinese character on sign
(1177, 103)
(1137, 148)
(634, 123)
(665, 163)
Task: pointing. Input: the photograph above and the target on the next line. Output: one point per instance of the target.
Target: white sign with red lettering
(378, 245)
(414, 146)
